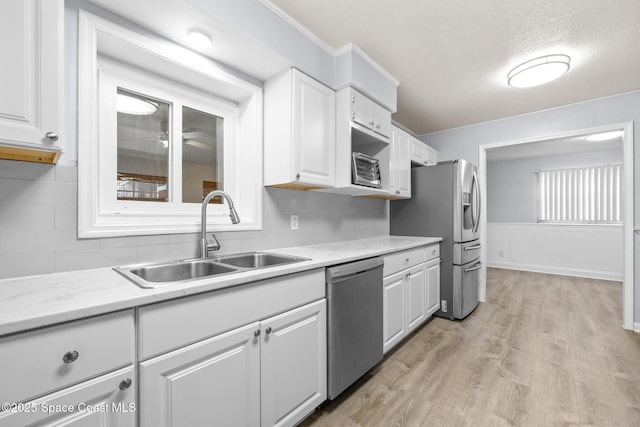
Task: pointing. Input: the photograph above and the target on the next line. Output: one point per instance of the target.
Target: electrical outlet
(294, 222)
(443, 305)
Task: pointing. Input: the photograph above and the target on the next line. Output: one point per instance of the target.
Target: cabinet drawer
(102, 401)
(400, 260)
(432, 251)
(32, 363)
(173, 324)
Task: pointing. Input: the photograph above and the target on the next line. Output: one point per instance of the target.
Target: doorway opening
(485, 151)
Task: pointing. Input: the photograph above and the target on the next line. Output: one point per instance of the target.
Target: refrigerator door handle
(475, 213)
(473, 248)
(478, 266)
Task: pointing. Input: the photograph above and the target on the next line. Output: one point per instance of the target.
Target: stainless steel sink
(168, 273)
(163, 274)
(258, 260)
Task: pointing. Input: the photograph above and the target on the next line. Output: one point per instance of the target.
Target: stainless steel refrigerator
(445, 202)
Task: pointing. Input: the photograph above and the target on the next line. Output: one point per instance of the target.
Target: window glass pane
(143, 148)
(202, 155)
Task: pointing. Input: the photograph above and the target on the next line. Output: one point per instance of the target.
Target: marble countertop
(36, 301)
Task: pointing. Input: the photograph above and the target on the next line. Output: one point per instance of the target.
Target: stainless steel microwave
(365, 170)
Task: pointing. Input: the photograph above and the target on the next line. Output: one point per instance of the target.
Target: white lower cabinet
(432, 275)
(293, 367)
(79, 373)
(215, 379)
(266, 373)
(411, 292)
(109, 401)
(394, 310)
(416, 294)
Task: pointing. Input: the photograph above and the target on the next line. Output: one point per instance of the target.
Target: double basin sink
(167, 273)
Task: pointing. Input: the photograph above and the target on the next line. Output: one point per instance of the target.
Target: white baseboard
(562, 271)
(636, 327)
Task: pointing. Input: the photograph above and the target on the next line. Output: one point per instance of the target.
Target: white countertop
(36, 301)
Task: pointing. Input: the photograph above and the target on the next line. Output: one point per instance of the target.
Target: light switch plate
(294, 222)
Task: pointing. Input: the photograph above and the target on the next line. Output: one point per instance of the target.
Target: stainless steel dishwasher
(354, 298)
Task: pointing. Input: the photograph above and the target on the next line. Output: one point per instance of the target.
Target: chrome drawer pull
(70, 356)
(125, 384)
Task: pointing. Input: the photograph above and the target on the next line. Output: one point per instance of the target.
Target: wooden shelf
(25, 154)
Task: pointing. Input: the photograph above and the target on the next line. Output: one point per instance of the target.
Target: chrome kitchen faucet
(209, 242)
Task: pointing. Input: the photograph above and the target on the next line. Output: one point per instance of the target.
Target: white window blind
(588, 195)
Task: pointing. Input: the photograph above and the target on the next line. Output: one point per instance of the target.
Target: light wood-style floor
(543, 350)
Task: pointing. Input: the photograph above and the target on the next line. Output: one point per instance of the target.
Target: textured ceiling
(452, 56)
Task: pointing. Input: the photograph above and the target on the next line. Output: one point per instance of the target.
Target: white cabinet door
(417, 151)
(293, 364)
(299, 132)
(400, 186)
(430, 156)
(394, 310)
(213, 381)
(367, 113)
(382, 119)
(313, 131)
(109, 400)
(362, 110)
(31, 42)
(432, 276)
(416, 297)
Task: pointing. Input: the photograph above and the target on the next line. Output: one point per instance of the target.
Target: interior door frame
(627, 221)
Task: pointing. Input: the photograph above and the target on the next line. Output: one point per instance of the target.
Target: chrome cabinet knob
(268, 330)
(125, 384)
(70, 356)
(51, 136)
(256, 333)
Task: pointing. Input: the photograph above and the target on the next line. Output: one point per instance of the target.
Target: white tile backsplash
(66, 216)
(23, 191)
(26, 264)
(44, 240)
(96, 258)
(26, 170)
(19, 216)
(38, 225)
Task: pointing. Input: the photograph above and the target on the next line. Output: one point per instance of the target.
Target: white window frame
(207, 87)
(581, 195)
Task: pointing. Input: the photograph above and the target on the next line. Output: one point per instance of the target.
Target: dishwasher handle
(346, 271)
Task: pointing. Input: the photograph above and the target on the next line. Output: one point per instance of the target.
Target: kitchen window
(587, 195)
(159, 128)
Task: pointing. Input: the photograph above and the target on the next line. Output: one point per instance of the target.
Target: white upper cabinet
(369, 114)
(31, 82)
(299, 132)
(400, 185)
(422, 154)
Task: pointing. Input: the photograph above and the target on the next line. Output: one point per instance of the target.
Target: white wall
(464, 142)
(512, 185)
(38, 208)
(593, 251)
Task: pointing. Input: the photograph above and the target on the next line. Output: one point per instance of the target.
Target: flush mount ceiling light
(131, 105)
(539, 71)
(604, 136)
(198, 39)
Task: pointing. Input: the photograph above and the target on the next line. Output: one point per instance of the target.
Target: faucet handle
(212, 242)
